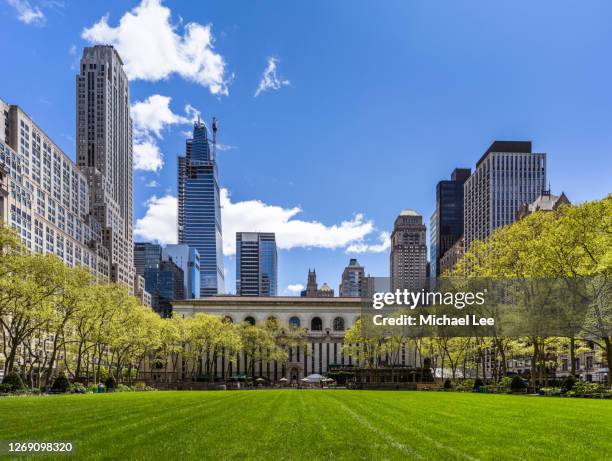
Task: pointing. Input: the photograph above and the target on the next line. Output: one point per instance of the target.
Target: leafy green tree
(259, 344)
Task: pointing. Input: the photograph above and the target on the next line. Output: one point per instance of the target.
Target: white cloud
(192, 113)
(151, 117)
(154, 114)
(152, 183)
(269, 79)
(255, 215)
(298, 287)
(159, 221)
(147, 156)
(26, 13)
(362, 247)
(72, 51)
(153, 49)
(225, 147)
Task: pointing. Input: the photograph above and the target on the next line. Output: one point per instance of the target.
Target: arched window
(228, 319)
(316, 324)
(338, 324)
(250, 320)
(294, 322)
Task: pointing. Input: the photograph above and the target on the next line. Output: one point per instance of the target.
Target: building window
(250, 320)
(338, 324)
(316, 324)
(294, 322)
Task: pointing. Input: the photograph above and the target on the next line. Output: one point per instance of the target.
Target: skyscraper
(199, 208)
(256, 264)
(446, 224)
(352, 276)
(169, 287)
(146, 256)
(506, 176)
(104, 152)
(163, 279)
(371, 285)
(408, 252)
(188, 260)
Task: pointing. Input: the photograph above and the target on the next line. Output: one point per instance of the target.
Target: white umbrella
(283, 380)
(306, 380)
(260, 380)
(315, 378)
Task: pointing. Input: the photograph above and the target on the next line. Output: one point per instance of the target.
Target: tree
(207, 337)
(28, 294)
(581, 245)
(259, 344)
(563, 259)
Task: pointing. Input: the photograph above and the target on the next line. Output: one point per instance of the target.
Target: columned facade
(326, 321)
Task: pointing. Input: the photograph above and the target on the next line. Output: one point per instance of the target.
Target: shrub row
(13, 384)
(569, 387)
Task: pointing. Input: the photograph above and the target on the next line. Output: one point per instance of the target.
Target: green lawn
(315, 424)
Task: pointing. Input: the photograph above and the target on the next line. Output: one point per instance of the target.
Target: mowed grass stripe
(164, 428)
(365, 421)
(397, 425)
(325, 425)
(478, 427)
(118, 419)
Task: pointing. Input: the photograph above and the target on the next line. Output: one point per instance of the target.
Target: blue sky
(367, 104)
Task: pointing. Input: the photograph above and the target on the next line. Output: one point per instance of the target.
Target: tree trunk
(502, 353)
(573, 356)
(534, 363)
(608, 343)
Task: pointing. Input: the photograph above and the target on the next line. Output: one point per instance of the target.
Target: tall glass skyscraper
(256, 264)
(446, 224)
(199, 209)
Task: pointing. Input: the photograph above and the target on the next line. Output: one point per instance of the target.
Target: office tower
(350, 286)
(199, 208)
(312, 289)
(371, 285)
(45, 196)
(163, 279)
(256, 264)
(408, 252)
(446, 224)
(188, 260)
(146, 256)
(104, 152)
(169, 287)
(506, 176)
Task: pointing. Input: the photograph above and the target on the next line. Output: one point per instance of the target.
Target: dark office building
(446, 225)
(169, 285)
(164, 280)
(146, 256)
(256, 264)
